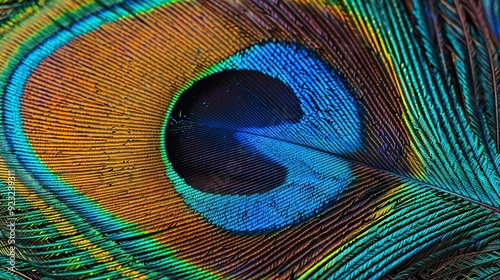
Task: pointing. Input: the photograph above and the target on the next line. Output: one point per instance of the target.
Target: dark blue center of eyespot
(259, 144)
(200, 137)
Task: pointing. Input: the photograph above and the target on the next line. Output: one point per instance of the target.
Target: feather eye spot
(268, 125)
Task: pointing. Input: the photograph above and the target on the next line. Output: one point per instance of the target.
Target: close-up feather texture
(250, 139)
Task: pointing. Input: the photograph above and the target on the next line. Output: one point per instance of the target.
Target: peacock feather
(250, 139)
